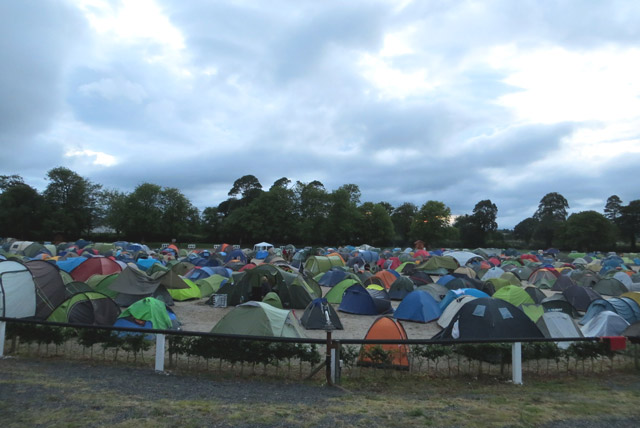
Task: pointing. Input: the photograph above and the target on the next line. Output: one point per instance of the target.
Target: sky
(453, 101)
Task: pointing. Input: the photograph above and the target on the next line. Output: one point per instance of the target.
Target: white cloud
(99, 158)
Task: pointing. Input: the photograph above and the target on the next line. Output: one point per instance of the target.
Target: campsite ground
(49, 392)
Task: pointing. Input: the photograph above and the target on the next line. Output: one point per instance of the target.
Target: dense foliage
(72, 206)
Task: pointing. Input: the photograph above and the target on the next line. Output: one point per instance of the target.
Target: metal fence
(333, 348)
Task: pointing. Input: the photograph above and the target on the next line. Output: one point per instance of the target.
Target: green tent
(610, 287)
(66, 278)
(150, 309)
(86, 308)
(514, 295)
(211, 284)
(101, 283)
(499, 283)
(182, 294)
(437, 264)
(318, 264)
(335, 294)
(534, 312)
(511, 278)
(273, 299)
(294, 291)
(259, 319)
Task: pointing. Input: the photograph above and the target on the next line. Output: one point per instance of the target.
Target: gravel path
(41, 386)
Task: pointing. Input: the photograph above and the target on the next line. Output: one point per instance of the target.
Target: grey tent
(133, 285)
(558, 325)
(606, 323)
(625, 307)
(610, 287)
(17, 290)
(50, 289)
(318, 314)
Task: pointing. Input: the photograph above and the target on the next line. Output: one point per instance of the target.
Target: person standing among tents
(419, 245)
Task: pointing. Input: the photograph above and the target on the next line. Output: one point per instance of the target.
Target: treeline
(299, 213)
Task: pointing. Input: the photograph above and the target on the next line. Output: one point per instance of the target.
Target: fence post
(516, 362)
(159, 352)
(3, 330)
(335, 362)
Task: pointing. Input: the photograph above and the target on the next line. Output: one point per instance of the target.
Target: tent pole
(516, 362)
(159, 352)
(3, 330)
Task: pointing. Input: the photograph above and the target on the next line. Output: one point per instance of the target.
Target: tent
(487, 318)
(606, 323)
(360, 301)
(418, 306)
(101, 283)
(439, 264)
(17, 290)
(558, 325)
(317, 264)
(133, 285)
(625, 307)
(562, 283)
(536, 294)
(211, 284)
(610, 287)
(559, 303)
(273, 299)
(437, 291)
(86, 308)
(50, 289)
(514, 295)
(385, 328)
(259, 319)
(316, 313)
(420, 278)
(452, 309)
(494, 272)
(462, 257)
(337, 292)
(400, 288)
(580, 297)
(455, 294)
(332, 277)
(148, 313)
(94, 266)
(182, 294)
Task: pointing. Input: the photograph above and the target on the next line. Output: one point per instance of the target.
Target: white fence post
(3, 330)
(159, 352)
(516, 363)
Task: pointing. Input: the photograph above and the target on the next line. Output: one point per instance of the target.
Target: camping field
(51, 392)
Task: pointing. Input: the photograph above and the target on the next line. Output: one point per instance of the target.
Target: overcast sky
(455, 101)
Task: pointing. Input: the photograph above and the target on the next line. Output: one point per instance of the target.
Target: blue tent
(444, 279)
(71, 263)
(145, 264)
(235, 255)
(369, 256)
(625, 307)
(360, 301)
(332, 277)
(418, 306)
(454, 294)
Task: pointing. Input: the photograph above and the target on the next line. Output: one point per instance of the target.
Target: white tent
(262, 246)
(17, 290)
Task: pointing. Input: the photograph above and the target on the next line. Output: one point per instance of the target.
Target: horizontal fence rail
(333, 346)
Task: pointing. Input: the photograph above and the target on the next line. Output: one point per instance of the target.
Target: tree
(7, 181)
(431, 223)
(73, 202)
(402, 218)
(525, 229)
(551, 213)
(312, 209)
(144, 212)
(629, 222)
(343, 218)
(376, 227)
(21, 210)
(248, 186)
(353, 191)
(613, 207)
(484, 216)
(211, 223)
(116, 213)
(176, 212)
(281, 182)
(588, 231)
(468, 231)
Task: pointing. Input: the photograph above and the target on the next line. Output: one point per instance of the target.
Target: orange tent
(386, 277)
(385, 328)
